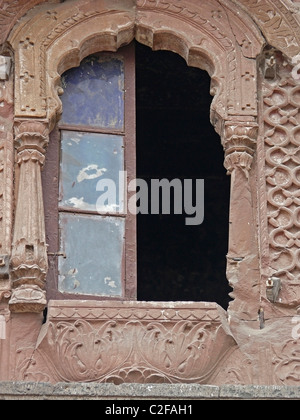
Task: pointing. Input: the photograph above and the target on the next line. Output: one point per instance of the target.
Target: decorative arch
(276, 19)
(216, 36)
(211, 36)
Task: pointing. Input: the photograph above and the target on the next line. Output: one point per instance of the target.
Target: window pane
(86, 159)
(94, 252)
(94, 93)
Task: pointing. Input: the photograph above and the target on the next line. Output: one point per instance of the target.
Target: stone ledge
(93, 391)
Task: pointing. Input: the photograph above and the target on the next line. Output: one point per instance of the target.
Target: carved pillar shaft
(29, 256)
(239, 143)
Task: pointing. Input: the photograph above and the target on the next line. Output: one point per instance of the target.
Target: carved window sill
(134, 342)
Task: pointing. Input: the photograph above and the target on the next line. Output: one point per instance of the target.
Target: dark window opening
(92, 247)
(175, 139)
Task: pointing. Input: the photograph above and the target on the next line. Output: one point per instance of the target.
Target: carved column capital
(29, 256)
(239, 140)
(31, 135)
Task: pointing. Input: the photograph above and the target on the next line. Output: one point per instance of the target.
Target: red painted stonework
(256, 113)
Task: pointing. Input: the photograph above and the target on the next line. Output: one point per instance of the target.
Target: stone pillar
(239, 140)
(240, 144)
(29, 256)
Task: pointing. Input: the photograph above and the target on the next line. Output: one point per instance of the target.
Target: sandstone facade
(251, 51)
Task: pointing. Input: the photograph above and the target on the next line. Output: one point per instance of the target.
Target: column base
(28, 298)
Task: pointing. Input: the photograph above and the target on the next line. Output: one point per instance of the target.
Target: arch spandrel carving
(212, 32)
(277, 23)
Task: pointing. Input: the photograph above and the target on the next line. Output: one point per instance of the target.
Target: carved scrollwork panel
(132, 343)
(281, 103)
(287, 363)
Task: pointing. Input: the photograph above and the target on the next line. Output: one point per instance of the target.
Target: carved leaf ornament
(126, 349)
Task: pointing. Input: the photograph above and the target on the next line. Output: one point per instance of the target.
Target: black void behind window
(175, 139)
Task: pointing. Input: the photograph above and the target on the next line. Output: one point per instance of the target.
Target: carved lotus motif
(188, 351)
(287, 363)
(84, 353)
(136, 350)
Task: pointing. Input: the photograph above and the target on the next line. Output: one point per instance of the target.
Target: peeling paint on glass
(94, 255)
(87, 158)
(94, 93)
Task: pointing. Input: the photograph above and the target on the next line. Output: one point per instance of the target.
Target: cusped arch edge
(156, 39)
(50, 41)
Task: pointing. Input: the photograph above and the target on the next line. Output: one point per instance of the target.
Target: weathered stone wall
(256, 112)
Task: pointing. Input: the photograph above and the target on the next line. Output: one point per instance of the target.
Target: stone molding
(275, 18)
(277, 22)
(133, 392)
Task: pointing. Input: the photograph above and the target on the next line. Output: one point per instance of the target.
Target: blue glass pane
(86, 159)
(94, 93)
(94, 249)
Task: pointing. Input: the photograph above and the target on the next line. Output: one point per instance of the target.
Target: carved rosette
(29, 257)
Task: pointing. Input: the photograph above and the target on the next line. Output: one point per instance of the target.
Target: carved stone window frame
(218, 36)
(50, 41)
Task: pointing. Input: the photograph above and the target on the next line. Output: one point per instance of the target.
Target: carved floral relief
(131, 342)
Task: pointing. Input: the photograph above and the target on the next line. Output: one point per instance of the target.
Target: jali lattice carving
(282, 174)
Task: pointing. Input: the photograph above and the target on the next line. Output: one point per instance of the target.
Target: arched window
(51, 50)
(92, 232)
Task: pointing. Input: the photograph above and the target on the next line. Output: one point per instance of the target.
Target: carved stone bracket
(29, 256)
